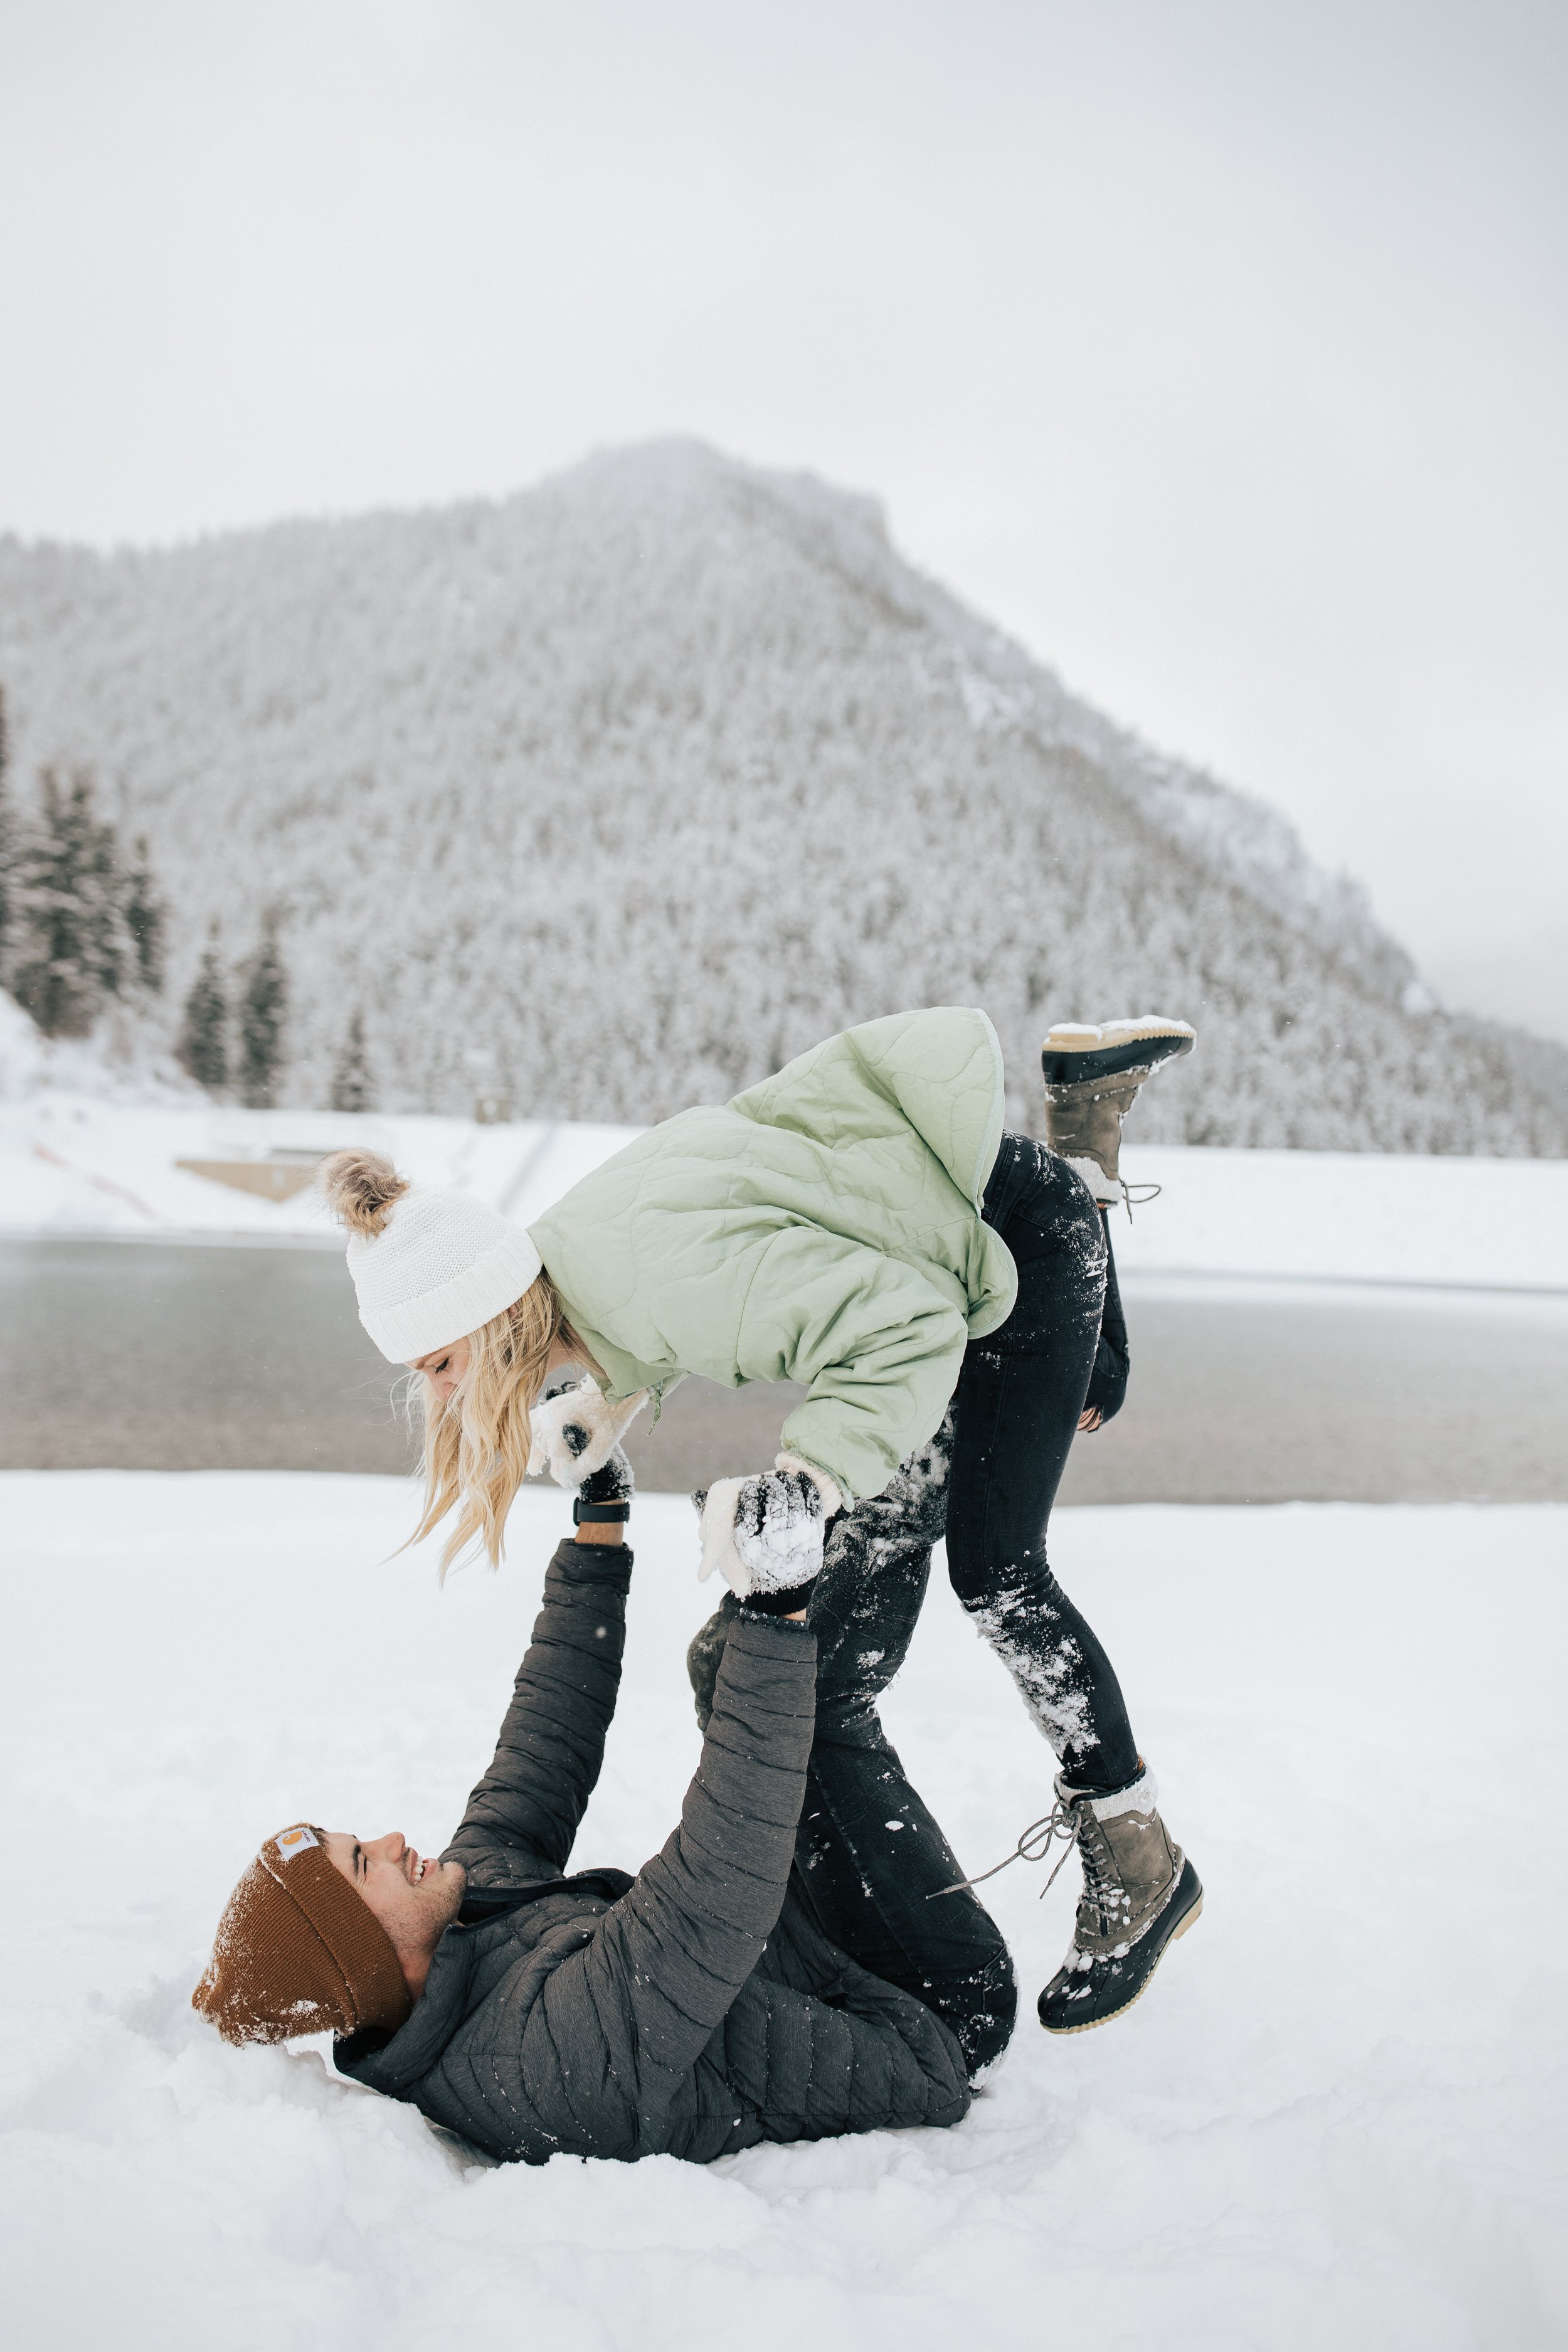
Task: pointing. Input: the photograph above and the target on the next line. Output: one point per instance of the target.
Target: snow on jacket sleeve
(524, 1815)
(878, 1346)
(618, 2025)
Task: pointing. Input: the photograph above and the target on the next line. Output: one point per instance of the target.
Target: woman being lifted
(861, 1225)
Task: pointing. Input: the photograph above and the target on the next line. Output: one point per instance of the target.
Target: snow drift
(1336, 2118)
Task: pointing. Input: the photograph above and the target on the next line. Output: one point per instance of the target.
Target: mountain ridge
(645, 777)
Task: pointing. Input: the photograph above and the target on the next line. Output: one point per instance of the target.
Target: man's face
(416, 1901)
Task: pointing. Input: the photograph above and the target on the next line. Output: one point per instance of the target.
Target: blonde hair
(476, 1442)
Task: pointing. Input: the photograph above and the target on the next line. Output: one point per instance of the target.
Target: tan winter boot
(1140, 1893)
(1092, 1075)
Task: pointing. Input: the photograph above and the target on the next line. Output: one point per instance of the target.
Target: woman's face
(443, 1367)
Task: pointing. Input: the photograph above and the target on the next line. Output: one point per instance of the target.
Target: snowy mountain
(646, 778)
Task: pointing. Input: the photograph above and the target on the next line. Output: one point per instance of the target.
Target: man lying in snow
(777, 1973)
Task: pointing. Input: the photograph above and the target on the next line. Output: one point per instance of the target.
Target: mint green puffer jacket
(823, 1227)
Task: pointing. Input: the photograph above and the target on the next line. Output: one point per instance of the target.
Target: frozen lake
(126, 1354)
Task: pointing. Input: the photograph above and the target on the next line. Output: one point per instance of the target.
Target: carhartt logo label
(293, 1842)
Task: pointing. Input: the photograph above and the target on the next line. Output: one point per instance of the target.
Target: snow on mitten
(764, 1534)
(615, 1483)
(576, 1430)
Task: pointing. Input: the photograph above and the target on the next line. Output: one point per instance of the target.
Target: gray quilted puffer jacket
(691, 2012)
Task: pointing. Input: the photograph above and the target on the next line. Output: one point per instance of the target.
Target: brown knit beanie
(299, 1950)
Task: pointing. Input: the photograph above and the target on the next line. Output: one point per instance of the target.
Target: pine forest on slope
(644, 779)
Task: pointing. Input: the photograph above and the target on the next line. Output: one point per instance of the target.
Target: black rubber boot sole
(1062, 1069)
(1078, 2000)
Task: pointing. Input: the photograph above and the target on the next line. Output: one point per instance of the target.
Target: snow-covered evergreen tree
(202, 1047)
(263, 1010)
(68, 946)
(353, 1089)
(146, 919)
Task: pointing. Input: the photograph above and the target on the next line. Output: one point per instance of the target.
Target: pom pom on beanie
(429, 1264)
(360, 1189)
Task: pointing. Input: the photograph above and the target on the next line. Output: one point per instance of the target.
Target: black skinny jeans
(869, 1854)
(1015, 1411)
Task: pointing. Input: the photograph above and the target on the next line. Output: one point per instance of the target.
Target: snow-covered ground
(78, 1163)
(1336, 2120)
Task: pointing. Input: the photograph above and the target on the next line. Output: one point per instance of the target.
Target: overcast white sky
(1217, 348)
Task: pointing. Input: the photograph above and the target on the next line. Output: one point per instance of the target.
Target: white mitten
(577, 1430)
(764, 1534)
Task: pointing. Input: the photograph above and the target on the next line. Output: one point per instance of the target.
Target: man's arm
(524, 1815)
(620, 2023)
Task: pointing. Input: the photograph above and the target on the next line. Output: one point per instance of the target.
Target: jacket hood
(938, 1071)
(394, 2062)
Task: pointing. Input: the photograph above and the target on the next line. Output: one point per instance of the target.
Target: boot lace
(1034, 1845)
(1103, 1891)
(1140, 1193)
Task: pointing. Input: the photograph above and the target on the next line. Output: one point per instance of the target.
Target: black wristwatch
(788, 1602)
(602, 1501)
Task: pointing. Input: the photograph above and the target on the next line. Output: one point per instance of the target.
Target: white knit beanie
(442, 1265)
